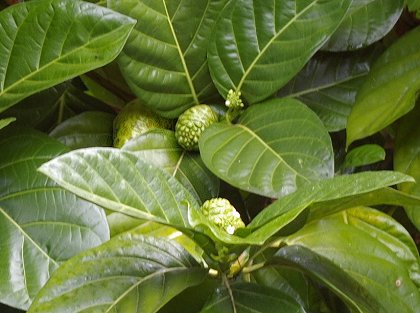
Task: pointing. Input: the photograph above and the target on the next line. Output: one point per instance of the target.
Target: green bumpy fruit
(223, 214)
(192, 123)
(135, 119)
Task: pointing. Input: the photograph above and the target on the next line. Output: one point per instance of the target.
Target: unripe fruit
(223, 214)
(192, 123)
(135, 119)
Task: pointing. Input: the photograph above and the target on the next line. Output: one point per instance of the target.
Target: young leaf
(41, 224)
(372, 248)
(329, 82)
(119, 181)
(277, 146)
(357, 31)
(47, 42)
(364, 155)
(407, 158)
(390, 89)
(336, 279)
(259, 45)
(89, 129)
(159, 147)
(165, 59)
(250, 297)
(129, 273)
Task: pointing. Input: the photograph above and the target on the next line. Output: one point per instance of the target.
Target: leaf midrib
(257, 58)
(181, 55)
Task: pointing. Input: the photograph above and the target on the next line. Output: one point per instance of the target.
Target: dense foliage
(304, 118)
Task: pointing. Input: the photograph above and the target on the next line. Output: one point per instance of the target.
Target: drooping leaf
(41, 224)
(160, 148)
(129, 273)
(259, 45)
(165, 59)
(250, 297)
(277, 146)
(47, 42)
(119, 181)
(336, 279)
(390, 89)
(329, 82)
(6, 121)
(343, 190)
(88, 129)
(372, 248)
(364, 155)
(407, 158)
(367, 22)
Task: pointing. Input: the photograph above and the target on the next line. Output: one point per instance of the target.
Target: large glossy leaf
(250, 297)
(47, 42)
(367, 22)
(89, 129)
(329, 82)
(41, 224)
(328, 273)
(276, 147)
(130, 273)
(165, 59)
(372, 248)
(160, 148)
(407, 158)
(390, 89)
(259, 45)
(120, 181)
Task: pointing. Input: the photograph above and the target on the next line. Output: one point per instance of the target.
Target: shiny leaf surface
(277, 146)
(386, 264)
(390, 89)
(6, 121)
(259, 45)
(165, 59)
(120, 181)
(329, 82)
(367, 22)
(244, 298)
(160, 148)
(41, 224)
(364, 155)
(89, 129)
(47, 42)
(130, 273)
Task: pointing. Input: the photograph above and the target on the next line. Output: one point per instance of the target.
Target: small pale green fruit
(192, 123)
(223, 214)
(135, 119)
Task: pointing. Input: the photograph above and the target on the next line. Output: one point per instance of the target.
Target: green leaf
(367, 22)
(336, 279)
(414, 5)
(364, 155)
(41, 224)
(130, 273)
(329, 82)
(119, 181)
(159, 147)
(407, 158)
(47, 42)
(165, 59)
(6, 121)
(89, 129)
(277, 146)
(390, 89)
(259, 45)
(372, 248)
(250, 297)
(341, 189)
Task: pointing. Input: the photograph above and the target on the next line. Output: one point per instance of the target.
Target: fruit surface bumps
(192, 123)
(135, 119)
(220, 212)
